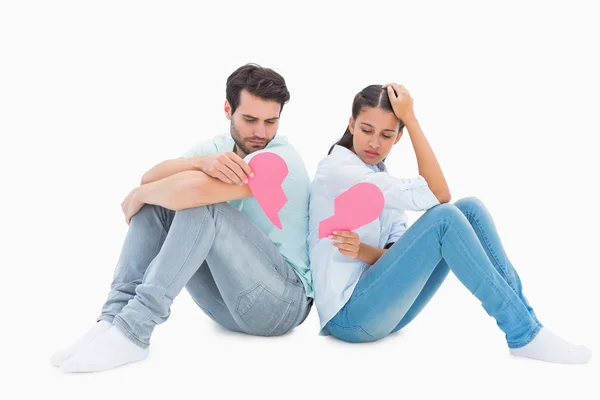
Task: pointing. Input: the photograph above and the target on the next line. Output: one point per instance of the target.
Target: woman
(372, 282)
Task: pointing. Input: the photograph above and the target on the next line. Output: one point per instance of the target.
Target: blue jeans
(231, 269)
(460, 237)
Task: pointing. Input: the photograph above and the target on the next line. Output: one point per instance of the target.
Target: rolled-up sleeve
(202, 148)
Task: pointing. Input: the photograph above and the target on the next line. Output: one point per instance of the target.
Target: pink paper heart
(356, 207)
(270, 171)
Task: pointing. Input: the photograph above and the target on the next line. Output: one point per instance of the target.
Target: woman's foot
(546, 346)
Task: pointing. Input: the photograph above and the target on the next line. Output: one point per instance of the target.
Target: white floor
(442, 353)
(93, 94)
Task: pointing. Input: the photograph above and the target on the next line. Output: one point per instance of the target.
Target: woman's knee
(470, 202)
(448, 214)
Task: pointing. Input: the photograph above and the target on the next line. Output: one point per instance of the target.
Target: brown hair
(261, 82)
(372, 96)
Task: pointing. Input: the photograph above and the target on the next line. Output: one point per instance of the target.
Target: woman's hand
(131, 205)
(347, 242)
(401, 101)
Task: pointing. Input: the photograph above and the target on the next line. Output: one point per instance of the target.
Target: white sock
(109, 350)
(546, 346)
(63, 354)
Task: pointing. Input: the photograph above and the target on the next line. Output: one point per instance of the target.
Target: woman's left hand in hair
(347, 242)
(401, 101)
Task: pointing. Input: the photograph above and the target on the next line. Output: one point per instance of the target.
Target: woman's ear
(399, 136)
(351, 125)
(227, 108)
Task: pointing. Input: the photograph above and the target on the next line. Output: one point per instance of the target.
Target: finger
(337, 238)
(345, 246)
(349, 254)
(345, 234)
(230, 177)
(391, 93)
(222, 177)
(399, 89)
(237, 170)
(243, 165)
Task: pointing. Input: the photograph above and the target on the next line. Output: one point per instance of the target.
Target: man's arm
(189, 189)
(171, 167)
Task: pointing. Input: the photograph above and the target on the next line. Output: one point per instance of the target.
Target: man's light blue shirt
(291, 240)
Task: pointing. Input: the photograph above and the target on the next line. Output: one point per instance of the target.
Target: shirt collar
(344, 153)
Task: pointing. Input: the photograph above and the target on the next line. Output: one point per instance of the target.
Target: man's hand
(348, 243)
(227, 167)
(131, 205)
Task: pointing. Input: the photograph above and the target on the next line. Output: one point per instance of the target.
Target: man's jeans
(459, 237)
(231, 269)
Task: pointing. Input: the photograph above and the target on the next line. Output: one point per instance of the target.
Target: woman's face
(374, 132)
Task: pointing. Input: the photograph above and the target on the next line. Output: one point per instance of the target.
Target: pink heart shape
(270, 171)
(356, 207)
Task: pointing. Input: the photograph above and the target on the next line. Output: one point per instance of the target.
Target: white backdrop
(93, 94)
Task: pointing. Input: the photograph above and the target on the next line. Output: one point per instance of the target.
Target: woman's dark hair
(373, 96)
(261, 82)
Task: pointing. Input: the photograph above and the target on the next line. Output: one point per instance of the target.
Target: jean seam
(298, 308)
(122, 326)
(150, 312)
(352, 328)
(426, 230)
(257, 246)
(266, 289)
(490, 249)
(492, 283)
(527, 340)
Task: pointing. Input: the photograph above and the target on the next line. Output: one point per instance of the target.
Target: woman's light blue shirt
(335, 275)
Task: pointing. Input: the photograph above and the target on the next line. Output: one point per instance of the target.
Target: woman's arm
(429, 168)
(369, 254)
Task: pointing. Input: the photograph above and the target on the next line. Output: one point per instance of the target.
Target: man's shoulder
(222, 142)
(282, 148)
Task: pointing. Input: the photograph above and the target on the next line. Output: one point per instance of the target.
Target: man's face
(254, 123)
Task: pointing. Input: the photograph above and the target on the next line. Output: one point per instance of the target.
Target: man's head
(255, 97)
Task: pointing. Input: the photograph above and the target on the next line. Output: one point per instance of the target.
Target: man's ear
(227, 108)
(351, 125)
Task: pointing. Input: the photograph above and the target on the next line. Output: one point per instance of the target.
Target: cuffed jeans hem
(105, 317)
(526, 341)
(122, 326)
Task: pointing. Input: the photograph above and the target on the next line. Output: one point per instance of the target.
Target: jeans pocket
(352, 334)
(263, 311)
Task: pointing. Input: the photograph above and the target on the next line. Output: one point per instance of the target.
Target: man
(193, 223)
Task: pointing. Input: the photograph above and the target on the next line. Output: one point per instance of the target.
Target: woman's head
(373, 127)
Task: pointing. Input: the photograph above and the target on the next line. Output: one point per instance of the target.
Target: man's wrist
(140, 193)
(196, 163)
